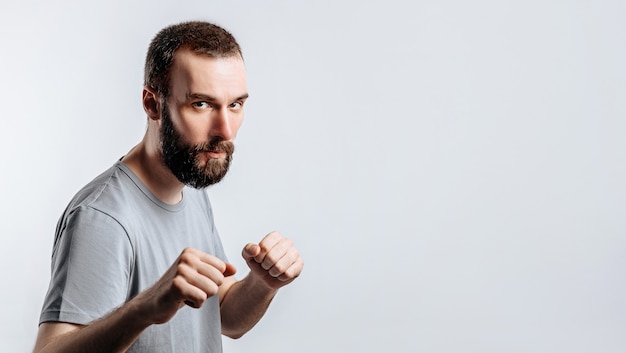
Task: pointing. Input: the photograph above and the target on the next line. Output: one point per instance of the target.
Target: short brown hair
(201, 37)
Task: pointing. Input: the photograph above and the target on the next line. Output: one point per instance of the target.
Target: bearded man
(137, 264)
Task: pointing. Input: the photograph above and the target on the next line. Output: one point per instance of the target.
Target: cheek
(192, 131)
(236, 124)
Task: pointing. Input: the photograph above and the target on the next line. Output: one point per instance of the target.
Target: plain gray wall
(452, 171)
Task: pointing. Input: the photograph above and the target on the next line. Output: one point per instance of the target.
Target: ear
(151, 103)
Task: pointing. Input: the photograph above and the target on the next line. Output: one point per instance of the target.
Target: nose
(222, 125)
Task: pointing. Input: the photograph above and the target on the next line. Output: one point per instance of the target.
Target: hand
(275, 260)
(191, 280)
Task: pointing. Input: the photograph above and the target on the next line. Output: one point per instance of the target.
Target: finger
(192, 257)
(230, 270)
(205, 264)
(189, 293)
(293, 271)
(216, 269)
(204, 278)
(213, 261)
(202, 270)
(250, 251)
(266, 244)
(284, 263)
(276, 253)
(211, 272)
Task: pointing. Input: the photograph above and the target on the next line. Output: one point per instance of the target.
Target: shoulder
(114, 192)
(105, 198)
(107, 184)
(95, 218)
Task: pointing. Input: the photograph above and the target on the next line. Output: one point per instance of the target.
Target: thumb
(250, 251)
(230, 270)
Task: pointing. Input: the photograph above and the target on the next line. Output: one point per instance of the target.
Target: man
(137, 263)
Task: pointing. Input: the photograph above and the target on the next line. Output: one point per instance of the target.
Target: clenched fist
(191, 280)
(275, 260)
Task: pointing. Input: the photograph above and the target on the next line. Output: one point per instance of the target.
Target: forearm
(244, 305)
(115, 332)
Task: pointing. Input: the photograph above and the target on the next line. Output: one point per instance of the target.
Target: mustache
(215, 145)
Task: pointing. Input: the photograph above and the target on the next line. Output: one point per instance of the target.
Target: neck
(145, 161)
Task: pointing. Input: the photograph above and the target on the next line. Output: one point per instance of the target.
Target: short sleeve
(92, 263)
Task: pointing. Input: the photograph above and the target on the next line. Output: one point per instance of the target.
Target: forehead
(195, 73)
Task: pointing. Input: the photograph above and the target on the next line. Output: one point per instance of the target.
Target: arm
(274, 263)
(114, 333)
(194, 277)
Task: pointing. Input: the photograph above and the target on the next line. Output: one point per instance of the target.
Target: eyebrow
(208, 98)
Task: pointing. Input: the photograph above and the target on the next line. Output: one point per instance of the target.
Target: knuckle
(264, 247)
(198, 299)
(291, 273)
(279, 268)
(212, 289)
(272, 258)
(274, 273)
(178, 283)
(182, 269)
(186, 256)
(203, 296)
(218, 281)
(268, 263)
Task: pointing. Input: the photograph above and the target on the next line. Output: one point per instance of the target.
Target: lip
(215, 154)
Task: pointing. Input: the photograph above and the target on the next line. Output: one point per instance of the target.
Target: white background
(452, 171)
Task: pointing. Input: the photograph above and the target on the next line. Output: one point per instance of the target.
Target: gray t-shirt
(114, 240)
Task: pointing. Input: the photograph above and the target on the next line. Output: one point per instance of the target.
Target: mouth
(213, 150)
(215, 154)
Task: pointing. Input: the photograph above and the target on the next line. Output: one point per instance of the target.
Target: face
(201, 117)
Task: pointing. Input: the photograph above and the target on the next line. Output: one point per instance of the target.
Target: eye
(201, 105)
(236, 105)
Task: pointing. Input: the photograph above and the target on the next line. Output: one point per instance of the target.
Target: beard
(183, 159)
